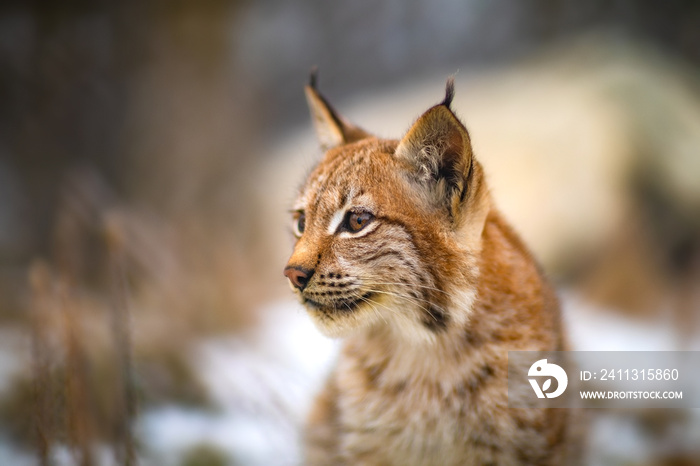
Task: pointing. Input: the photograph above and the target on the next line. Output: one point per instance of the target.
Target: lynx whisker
(410, 299)
(405, 296)
(412, 285)
(376, 311)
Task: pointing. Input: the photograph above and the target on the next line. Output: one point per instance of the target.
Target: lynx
(401, 252)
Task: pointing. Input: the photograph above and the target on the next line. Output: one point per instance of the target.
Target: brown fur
(429, 297)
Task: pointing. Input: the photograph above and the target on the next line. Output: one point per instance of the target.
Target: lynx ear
(439, 149)
(332, 129)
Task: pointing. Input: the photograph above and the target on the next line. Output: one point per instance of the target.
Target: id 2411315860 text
(631, 374)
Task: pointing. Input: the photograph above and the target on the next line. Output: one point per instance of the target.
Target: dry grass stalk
(40, 282)
(114, 239)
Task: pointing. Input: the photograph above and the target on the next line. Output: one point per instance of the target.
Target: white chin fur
(343, 325)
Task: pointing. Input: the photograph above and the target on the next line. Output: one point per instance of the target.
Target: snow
(592, 328)
(261, 383)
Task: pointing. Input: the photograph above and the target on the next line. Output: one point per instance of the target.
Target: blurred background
(149, 151)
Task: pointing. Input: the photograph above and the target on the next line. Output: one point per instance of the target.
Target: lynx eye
(356, 221)
(299, 224)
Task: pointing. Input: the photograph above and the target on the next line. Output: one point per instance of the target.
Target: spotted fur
(429, 294)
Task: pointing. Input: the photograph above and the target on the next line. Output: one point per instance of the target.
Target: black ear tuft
(331, 128)
(449, 92)
(313, 77)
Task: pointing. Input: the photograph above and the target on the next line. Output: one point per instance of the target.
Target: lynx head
(388, 231)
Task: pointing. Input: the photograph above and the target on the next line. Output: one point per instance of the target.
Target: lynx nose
(299, 277)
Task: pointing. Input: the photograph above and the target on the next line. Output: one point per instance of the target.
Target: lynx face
(383, 226)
